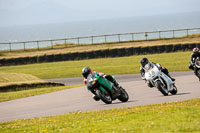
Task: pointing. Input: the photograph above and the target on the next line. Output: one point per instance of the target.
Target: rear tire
(164, 91)
(123, 96)
(174, 90)
(104, 96)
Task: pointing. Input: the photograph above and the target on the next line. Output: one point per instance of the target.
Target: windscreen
(90, 79)
(148, 66)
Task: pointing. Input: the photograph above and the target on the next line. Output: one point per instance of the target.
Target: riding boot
(115, 83)
(110, 78)
(95, 97)
(117, 88)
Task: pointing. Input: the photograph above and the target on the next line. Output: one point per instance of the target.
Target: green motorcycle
(104, 89)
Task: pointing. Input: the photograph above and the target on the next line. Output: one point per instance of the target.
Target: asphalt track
(79, 99)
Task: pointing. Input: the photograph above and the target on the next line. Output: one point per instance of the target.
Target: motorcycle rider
(145, 61)
(86, 71)
(194, 55)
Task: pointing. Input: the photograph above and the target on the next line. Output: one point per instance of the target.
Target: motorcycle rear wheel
(164, 91)
(123, 96)
(174, 90)
(104, 96)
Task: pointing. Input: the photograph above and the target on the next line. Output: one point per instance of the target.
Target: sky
(28, 12)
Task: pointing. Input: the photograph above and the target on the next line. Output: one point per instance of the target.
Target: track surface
(79, 99)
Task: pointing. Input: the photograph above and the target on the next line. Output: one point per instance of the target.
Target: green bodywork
(103, 82)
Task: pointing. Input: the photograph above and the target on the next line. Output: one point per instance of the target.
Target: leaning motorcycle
(197, 67)
(159, 80)
(105, 89)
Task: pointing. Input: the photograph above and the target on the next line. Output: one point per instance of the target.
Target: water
(97, 27)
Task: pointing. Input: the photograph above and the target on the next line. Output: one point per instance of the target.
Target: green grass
(7, 79)
(6, 96)
(177, 117)
(18, 79)
(177, 61)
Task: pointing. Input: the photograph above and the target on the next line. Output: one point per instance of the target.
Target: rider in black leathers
(194, 55)
(145, 61)
(86, 71)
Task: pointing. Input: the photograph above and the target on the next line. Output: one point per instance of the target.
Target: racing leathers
(163, 69)
(192, 61)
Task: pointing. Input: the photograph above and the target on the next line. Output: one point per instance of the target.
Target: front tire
(104, 96)
(123, 96)
(163, 90)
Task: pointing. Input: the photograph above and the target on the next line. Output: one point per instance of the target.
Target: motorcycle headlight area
(94, 81)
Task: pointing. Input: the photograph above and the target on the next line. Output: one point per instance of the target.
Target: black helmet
(86, 71)
(195, 51)
(144, 61)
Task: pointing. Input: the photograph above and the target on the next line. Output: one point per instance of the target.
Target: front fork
(162, 84)
(171, 86)
(94, 90)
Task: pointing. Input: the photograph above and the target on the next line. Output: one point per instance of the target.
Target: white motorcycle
(159, 80)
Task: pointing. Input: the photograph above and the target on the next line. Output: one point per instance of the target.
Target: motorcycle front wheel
(104, 96)
(163, 90)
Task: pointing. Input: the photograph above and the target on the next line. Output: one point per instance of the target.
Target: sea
(96, 27)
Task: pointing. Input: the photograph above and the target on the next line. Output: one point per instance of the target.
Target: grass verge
(18, 79)
(177, 61)
(70, 48)
(6, 96)
(175, 117)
